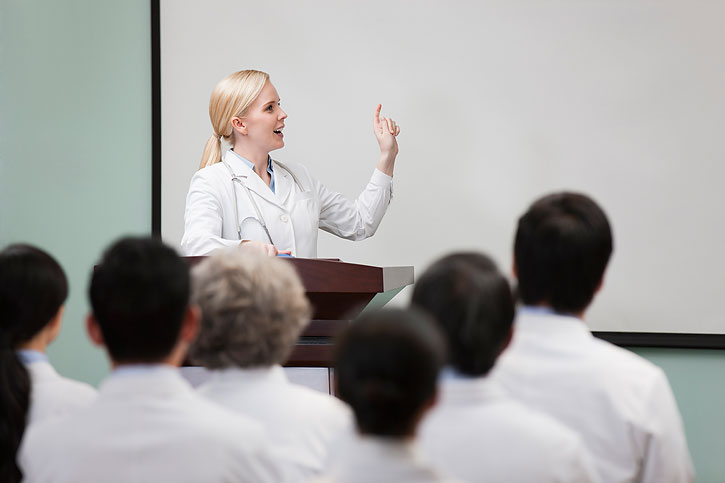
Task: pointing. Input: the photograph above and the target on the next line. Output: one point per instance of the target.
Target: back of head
(253, 309)
(387, 365)
(139, 294)
(231, 97)
(473, 305)
(563, 244)
(33, 287)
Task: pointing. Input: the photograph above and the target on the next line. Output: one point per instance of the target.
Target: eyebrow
(270, 102)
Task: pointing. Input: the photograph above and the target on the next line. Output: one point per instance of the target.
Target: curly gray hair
(253, 310)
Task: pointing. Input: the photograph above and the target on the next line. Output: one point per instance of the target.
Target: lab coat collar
(238, 376)
(42, 370)
(254, 182)
(550, 325)
(157, 380)
(470, 390)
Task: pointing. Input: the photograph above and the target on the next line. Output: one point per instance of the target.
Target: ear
(94, 331)
(239, 125)
(190, 325)
(53, 327)
(507, 342)
(599, 285)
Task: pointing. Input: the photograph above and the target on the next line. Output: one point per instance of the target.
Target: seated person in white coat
(244, 196)
(386, 367)
(477, 432)
(33, 289)
(147, 424)
(253, 311)
(620, 404)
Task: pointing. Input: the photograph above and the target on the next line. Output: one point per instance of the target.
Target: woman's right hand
(386, 131)
(262, 248)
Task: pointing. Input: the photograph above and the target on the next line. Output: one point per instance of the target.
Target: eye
(270, 108)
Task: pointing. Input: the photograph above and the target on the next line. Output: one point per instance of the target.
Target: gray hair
(253, 310)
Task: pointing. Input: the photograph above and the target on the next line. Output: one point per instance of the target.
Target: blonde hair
(231, 97)
(253, 309)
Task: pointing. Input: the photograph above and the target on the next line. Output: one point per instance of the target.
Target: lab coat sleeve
(359, 219)
(666, 457)
(203, 218)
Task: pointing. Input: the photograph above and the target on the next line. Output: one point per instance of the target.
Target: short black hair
(387, 365)
(139, 294)
(473, 304)
(562, 247)
(33, 287)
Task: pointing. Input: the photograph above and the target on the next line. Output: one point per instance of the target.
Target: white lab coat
(477, 432)
(148, 426)
(300, 422)
(52, 395)
(620, 404)
(372, 459)
(293, 213)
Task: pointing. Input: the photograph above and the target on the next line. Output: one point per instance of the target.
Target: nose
(282, 114)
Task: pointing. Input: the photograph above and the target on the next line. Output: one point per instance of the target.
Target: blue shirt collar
(30, 356)
(251, 165)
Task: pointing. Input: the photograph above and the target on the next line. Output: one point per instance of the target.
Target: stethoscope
(260, 218)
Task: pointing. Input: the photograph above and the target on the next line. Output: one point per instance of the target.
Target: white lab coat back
(293, 214)
(373, 459)
(148, 427)
(300, 422)
(620, 404)
(52, 395)
(477, 432)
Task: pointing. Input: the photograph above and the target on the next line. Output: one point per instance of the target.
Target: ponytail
(212, 151)
(14, 404)
(33, 287)
(230, 98)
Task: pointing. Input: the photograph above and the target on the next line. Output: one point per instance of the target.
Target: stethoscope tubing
(260, 218)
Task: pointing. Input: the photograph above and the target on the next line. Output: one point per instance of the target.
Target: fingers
(376, 117)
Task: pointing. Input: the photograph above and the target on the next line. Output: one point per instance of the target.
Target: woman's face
(264, 121)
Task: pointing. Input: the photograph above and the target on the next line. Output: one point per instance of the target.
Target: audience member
(33, 289)
(387, 364)
(147, 425)
(619, 403)
(477, 432)
(253, 311)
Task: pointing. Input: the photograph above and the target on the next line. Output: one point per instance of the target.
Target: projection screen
(500, 102)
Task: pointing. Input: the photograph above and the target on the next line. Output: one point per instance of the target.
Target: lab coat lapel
(251, 180)
(282, 182)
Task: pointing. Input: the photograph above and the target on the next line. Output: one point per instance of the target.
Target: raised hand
(386, 131)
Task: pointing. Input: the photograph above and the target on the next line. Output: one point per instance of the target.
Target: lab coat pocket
(306, 206)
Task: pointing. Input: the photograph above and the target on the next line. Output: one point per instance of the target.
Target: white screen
(499, 102)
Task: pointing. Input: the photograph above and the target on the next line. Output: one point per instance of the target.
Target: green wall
(696, 379)
(75, 151)
(75, 170)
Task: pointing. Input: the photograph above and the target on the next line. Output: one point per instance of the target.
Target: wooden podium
(338, 292)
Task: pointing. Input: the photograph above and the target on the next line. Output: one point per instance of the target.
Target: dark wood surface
(338, 292)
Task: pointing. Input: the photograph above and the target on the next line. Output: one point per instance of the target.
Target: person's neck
(37, 344)
(545, 305)
(257, 158)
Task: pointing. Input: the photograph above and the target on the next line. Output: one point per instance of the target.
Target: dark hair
(473, 305)
(563, 244)
(33, 287)
(139, 293)
(387, 364)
